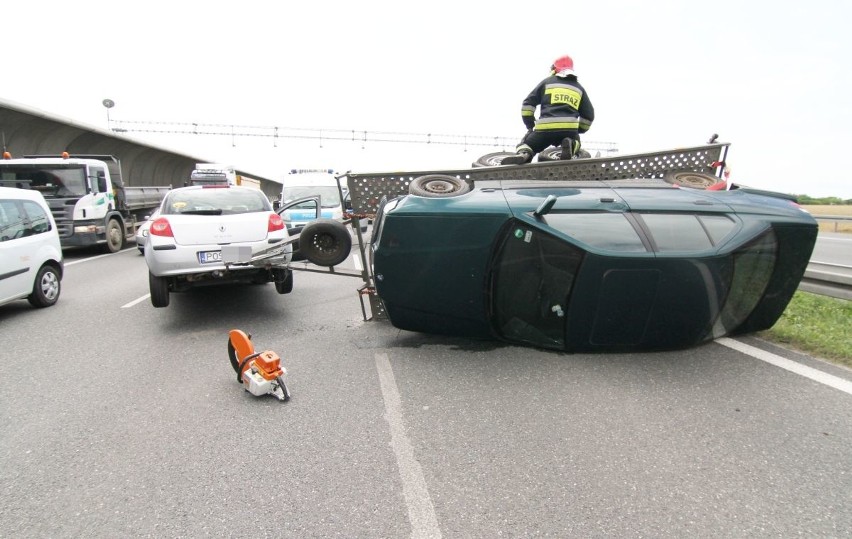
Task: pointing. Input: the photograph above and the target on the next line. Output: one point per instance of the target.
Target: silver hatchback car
(216, 234)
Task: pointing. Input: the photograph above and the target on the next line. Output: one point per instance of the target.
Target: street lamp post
(108, 103)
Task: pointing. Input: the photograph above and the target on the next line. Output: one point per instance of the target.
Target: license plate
(209, 257)
(236, 253)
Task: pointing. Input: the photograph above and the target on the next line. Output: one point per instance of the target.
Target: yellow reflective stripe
(527, 113)
(557, 125)
(564, 96)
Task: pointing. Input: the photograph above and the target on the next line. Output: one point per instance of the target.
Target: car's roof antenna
(545, 206)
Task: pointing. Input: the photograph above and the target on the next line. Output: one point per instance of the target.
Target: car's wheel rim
(325, 243)
(50, 286)
(440, 187)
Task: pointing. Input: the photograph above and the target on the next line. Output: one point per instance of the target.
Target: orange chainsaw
(260, 373)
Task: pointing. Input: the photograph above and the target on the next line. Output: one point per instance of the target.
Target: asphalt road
(121, 420)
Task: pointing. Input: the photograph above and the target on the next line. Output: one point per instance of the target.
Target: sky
(771, 78)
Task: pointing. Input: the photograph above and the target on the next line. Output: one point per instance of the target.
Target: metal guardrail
(834, 219)
(827, 279)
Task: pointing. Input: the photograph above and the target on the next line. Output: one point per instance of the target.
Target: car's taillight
(275, 222)
(161, 227)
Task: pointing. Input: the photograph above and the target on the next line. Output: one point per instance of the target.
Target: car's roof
(26, 194)
(221, 187)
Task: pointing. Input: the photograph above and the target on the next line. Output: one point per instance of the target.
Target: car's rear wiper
(201, 212)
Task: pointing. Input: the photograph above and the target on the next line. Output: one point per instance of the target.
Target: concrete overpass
(28, 131)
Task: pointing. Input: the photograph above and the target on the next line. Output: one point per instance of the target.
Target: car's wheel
(438, 185)
(693, 180)
(46, 287)
(492, 159)
(325, 242)
(555, 154)
(284, 286)
(114, 236)
(159, 287)
(550, 154)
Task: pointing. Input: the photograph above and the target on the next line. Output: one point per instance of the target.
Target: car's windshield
(51, 181)
(215, 201)
(329, 194)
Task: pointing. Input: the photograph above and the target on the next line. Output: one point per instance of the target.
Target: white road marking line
(421, 512)
(357, 261)
(135, 301)
(802, 370)
(97, 257)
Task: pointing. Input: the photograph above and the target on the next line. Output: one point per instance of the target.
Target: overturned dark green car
(589, 266)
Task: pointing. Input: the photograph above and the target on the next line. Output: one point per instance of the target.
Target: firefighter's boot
(570, 147)
(523, 156)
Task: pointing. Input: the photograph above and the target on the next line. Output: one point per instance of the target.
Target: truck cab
(85, 193)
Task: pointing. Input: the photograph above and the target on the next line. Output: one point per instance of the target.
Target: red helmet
(563, 64)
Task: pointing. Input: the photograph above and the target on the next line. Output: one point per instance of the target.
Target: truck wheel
(491, 159)
(114, 236)
(46, 287)
(325, 242)
(692, 180)
(438, 185)
(159, 287)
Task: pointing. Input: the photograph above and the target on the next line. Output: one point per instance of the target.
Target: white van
(31, 262)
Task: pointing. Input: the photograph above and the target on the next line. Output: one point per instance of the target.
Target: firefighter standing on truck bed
(566, 111)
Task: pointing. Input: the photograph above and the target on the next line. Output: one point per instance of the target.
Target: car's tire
(46, 287)
(555, 154)
(438, 186)
(491, 159)
(692, 180)
(550, 154)
(114, 236)
(284, 286)
(325, 242)
(159, 287)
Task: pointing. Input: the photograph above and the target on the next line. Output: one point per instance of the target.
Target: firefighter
(565, 112)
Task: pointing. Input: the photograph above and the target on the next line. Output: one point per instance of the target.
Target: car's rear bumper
(168, 259)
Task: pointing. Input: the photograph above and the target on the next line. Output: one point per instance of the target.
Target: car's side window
(532, 277)
(37, 217)
(676, 232)
(603, 230)
(12, 220)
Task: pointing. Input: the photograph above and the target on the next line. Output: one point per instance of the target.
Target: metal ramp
(368, 189)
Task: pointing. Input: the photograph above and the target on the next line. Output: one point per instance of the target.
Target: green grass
(817, 325)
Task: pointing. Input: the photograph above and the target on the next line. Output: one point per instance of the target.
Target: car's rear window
(753, 267)
(215, 201)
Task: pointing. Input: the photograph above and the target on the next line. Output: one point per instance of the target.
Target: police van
(31, 262)
(301, 183)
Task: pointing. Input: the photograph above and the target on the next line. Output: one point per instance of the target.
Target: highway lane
(833, 248)
(119, 419)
